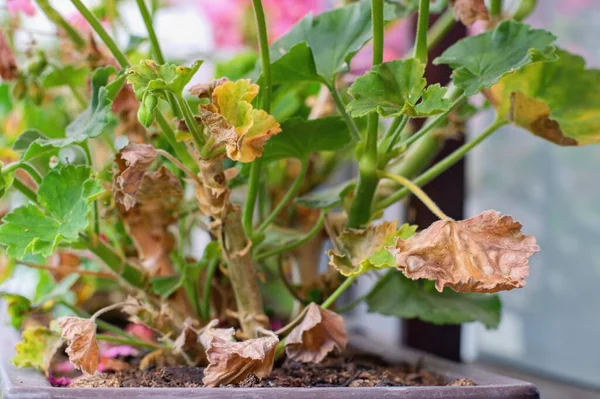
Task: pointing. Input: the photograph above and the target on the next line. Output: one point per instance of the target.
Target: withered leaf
(82, 349)
(320, 332)
(469, 11)
(205, 90)
(133, 161)
(8, 63)
(188, 339)
(230, 362)
(486, 253)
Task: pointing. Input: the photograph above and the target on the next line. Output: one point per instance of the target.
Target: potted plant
(116, 180)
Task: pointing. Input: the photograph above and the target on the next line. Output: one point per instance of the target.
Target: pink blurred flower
(110, 351)
(140, 331)
(283, 14)
(60, 382)
(397, 43)
(24, 6)
(64, 367)
(81, 24)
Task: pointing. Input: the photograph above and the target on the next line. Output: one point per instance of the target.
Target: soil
(343, 371)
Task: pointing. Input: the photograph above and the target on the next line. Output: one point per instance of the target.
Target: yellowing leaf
(229, 362)
(557, 101)
(320, 332)
(486, 253)
(251, 145)
(232, 100)
(37, 348)
(365, 250)
(83, 348)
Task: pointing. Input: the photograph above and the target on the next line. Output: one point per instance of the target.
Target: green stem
(351, 305)
(310, 234)
(440, 28)
(251, 195)
(59, 20)
(99, 29)
(392, 136)
(339, 291)
(286, 199)
(441, 166)
(417, 192)
(265, 57)
(210, 273)
(496, 8)
(31, 171)
(156, 50)
(429, 126)
(121, 268)
(360, 210)
(190, 120)
(421, 36)
(177, 146)
(26, 191)
(128, 341)
(341, 107)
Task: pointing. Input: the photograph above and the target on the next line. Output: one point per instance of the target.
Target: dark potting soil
(342, 371)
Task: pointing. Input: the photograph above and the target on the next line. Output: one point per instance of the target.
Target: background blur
(551, 328)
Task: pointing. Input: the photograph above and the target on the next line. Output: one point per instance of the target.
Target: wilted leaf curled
(486, 253)
(469, 11)
(8, 63)
(320, 332)
(37, 348)
(133, 161)
(365, 250)
(230, 362)
(82, 347)
(188, 339)
(205, 90)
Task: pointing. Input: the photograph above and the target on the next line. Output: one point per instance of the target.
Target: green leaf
(328, 198)
(165, 286)
(480, 61)
(36, 349)
(6, 180)
(333, 38)
(238, 67)
(59, 290)
(558, 101)
(393, 89)
(89, 124)
(69, 75)
(150, 76)
(17, 308)
(26, 138)
(66, 194)
(396, 295)
(300, 138)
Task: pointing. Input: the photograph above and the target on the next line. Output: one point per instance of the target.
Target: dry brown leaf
(230, 362)
(8, 63)
(63, 263)
(320, 332)
(205, 90)
(469, 11)
(189, 337)
(133, 161)
(486, 253)
(82, 347)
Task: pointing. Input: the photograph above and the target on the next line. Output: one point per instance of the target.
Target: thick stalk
(421, 36)
(441, 166)
(26, 191)
(99, 29)
(59, 20)
(360, 210)
(496, 8)
(341, 107)
(210, 273)
(266, 91)
(286, 198)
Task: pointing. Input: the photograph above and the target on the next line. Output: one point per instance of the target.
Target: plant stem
(360, 210)
(416, 190)
(393, 135)
(266, 92)
(421, 36)
(210, 273)
(99, 29)
(496, 8)
(76, 271)
(286, 198)
(128, 341)
(441, 166)
(122, 269)
(179, 148)
(32, 172)
(341, 107)
(440, 28)
(339, 291)
(310, 234)
(59, 20)
(180, 165)
(26, 191)
(155, 44)
(190, 120)
(433, 123)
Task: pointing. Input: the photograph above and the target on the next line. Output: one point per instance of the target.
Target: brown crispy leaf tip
(8, 63)
(486, 253)
(82, 349)
(133, 161)
(230, 361)
(469, 11)
(320, 332)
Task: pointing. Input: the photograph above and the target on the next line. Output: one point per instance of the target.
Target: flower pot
(27, 383)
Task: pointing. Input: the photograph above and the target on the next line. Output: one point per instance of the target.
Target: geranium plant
(119, 159)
